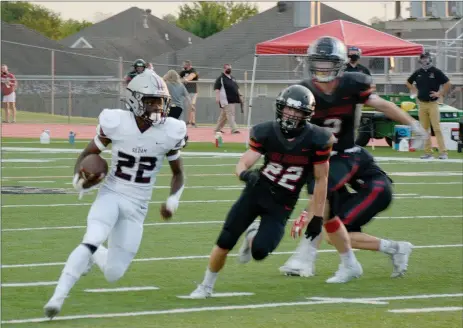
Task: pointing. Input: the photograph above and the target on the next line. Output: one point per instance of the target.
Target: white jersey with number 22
(137, 157)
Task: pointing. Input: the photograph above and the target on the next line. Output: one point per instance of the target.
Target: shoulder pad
(320, 136)
(176, 131)
(109, 120)
(304, 83)
(358, 80)
(262, 130)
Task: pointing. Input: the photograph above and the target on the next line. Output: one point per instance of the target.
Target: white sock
(388, 246)
(210, 278)
(100, 257)
(76, 264)
(315, 242)
(348, 258)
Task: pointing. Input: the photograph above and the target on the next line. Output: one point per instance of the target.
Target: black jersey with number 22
(336, 112)
(288, 163)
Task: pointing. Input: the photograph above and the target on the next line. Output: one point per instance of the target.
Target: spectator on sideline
(227, 94)
(353, 65)
(178, 93)
(428, 80)
(139, 66)
(9, 85)
(188, 75)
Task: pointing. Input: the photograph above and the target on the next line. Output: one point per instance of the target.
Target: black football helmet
(327, 58)
(139, 65)
(300, 104)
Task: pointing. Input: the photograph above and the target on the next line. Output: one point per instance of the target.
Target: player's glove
(250, 177)
(298, 225)
(314, 228)
(420, 135)
(79, 181)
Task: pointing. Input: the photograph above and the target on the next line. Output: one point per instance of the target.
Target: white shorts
(11, 98)
(116, 218)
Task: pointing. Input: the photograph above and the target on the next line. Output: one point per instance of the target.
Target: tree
(207, 18)
(170, 18)
(40, 19)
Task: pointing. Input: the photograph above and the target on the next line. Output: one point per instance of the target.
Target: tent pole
(253, 79)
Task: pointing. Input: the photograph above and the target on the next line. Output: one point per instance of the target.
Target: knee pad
(113, 273)
(259, 253)
(227, 239)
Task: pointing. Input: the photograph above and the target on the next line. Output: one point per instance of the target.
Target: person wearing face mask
(353, 64)
(353, 53)
(189, 78)
(425, 82)
(227, 94)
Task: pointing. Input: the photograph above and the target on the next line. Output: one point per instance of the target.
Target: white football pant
(119, 220)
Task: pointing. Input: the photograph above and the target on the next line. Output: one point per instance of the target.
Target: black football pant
(373, 189)
(256, 201)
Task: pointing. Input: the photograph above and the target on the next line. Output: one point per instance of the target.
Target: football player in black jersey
(293, 149)
(336, 95)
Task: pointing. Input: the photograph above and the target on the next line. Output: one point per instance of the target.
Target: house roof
(124, 35)
(30, 54)
(236, 45)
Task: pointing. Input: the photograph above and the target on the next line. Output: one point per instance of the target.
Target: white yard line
(212, 201)
(173, 223)
(120, 289)
(171, 311)
(428, 309)
(214, 308)
(195, 257)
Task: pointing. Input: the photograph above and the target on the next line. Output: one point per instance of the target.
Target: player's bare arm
(82, 182)
(246, 162)
(393, 112)
(176, 186)
(95, 146)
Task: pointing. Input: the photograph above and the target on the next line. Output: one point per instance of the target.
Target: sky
(96, 11)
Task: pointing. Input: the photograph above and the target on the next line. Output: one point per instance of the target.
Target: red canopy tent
(373, 43)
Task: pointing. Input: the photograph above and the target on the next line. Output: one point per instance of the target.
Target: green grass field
(40, 230)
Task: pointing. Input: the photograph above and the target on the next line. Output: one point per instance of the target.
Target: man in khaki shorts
(428, 80)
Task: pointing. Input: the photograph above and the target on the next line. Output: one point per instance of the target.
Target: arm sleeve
(412, 78)
(257, 140)
(365, 87)
(108, 122)
(442, 78)
(322, 146)
(217, 84)
(179, 135)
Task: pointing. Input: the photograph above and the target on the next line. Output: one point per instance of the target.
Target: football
(91, 168)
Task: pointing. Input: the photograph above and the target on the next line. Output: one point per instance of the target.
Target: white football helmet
(148, 97)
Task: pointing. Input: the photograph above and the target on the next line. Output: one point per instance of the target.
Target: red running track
(61, 131)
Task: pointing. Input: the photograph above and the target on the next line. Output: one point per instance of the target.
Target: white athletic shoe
(53, 307)
(302, 262)
(245, 255)
(202, 291)
(400, 259)
(346, 273)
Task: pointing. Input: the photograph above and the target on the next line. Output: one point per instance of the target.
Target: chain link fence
(81, 84)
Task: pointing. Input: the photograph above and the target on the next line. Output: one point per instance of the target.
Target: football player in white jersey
(141, 138)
